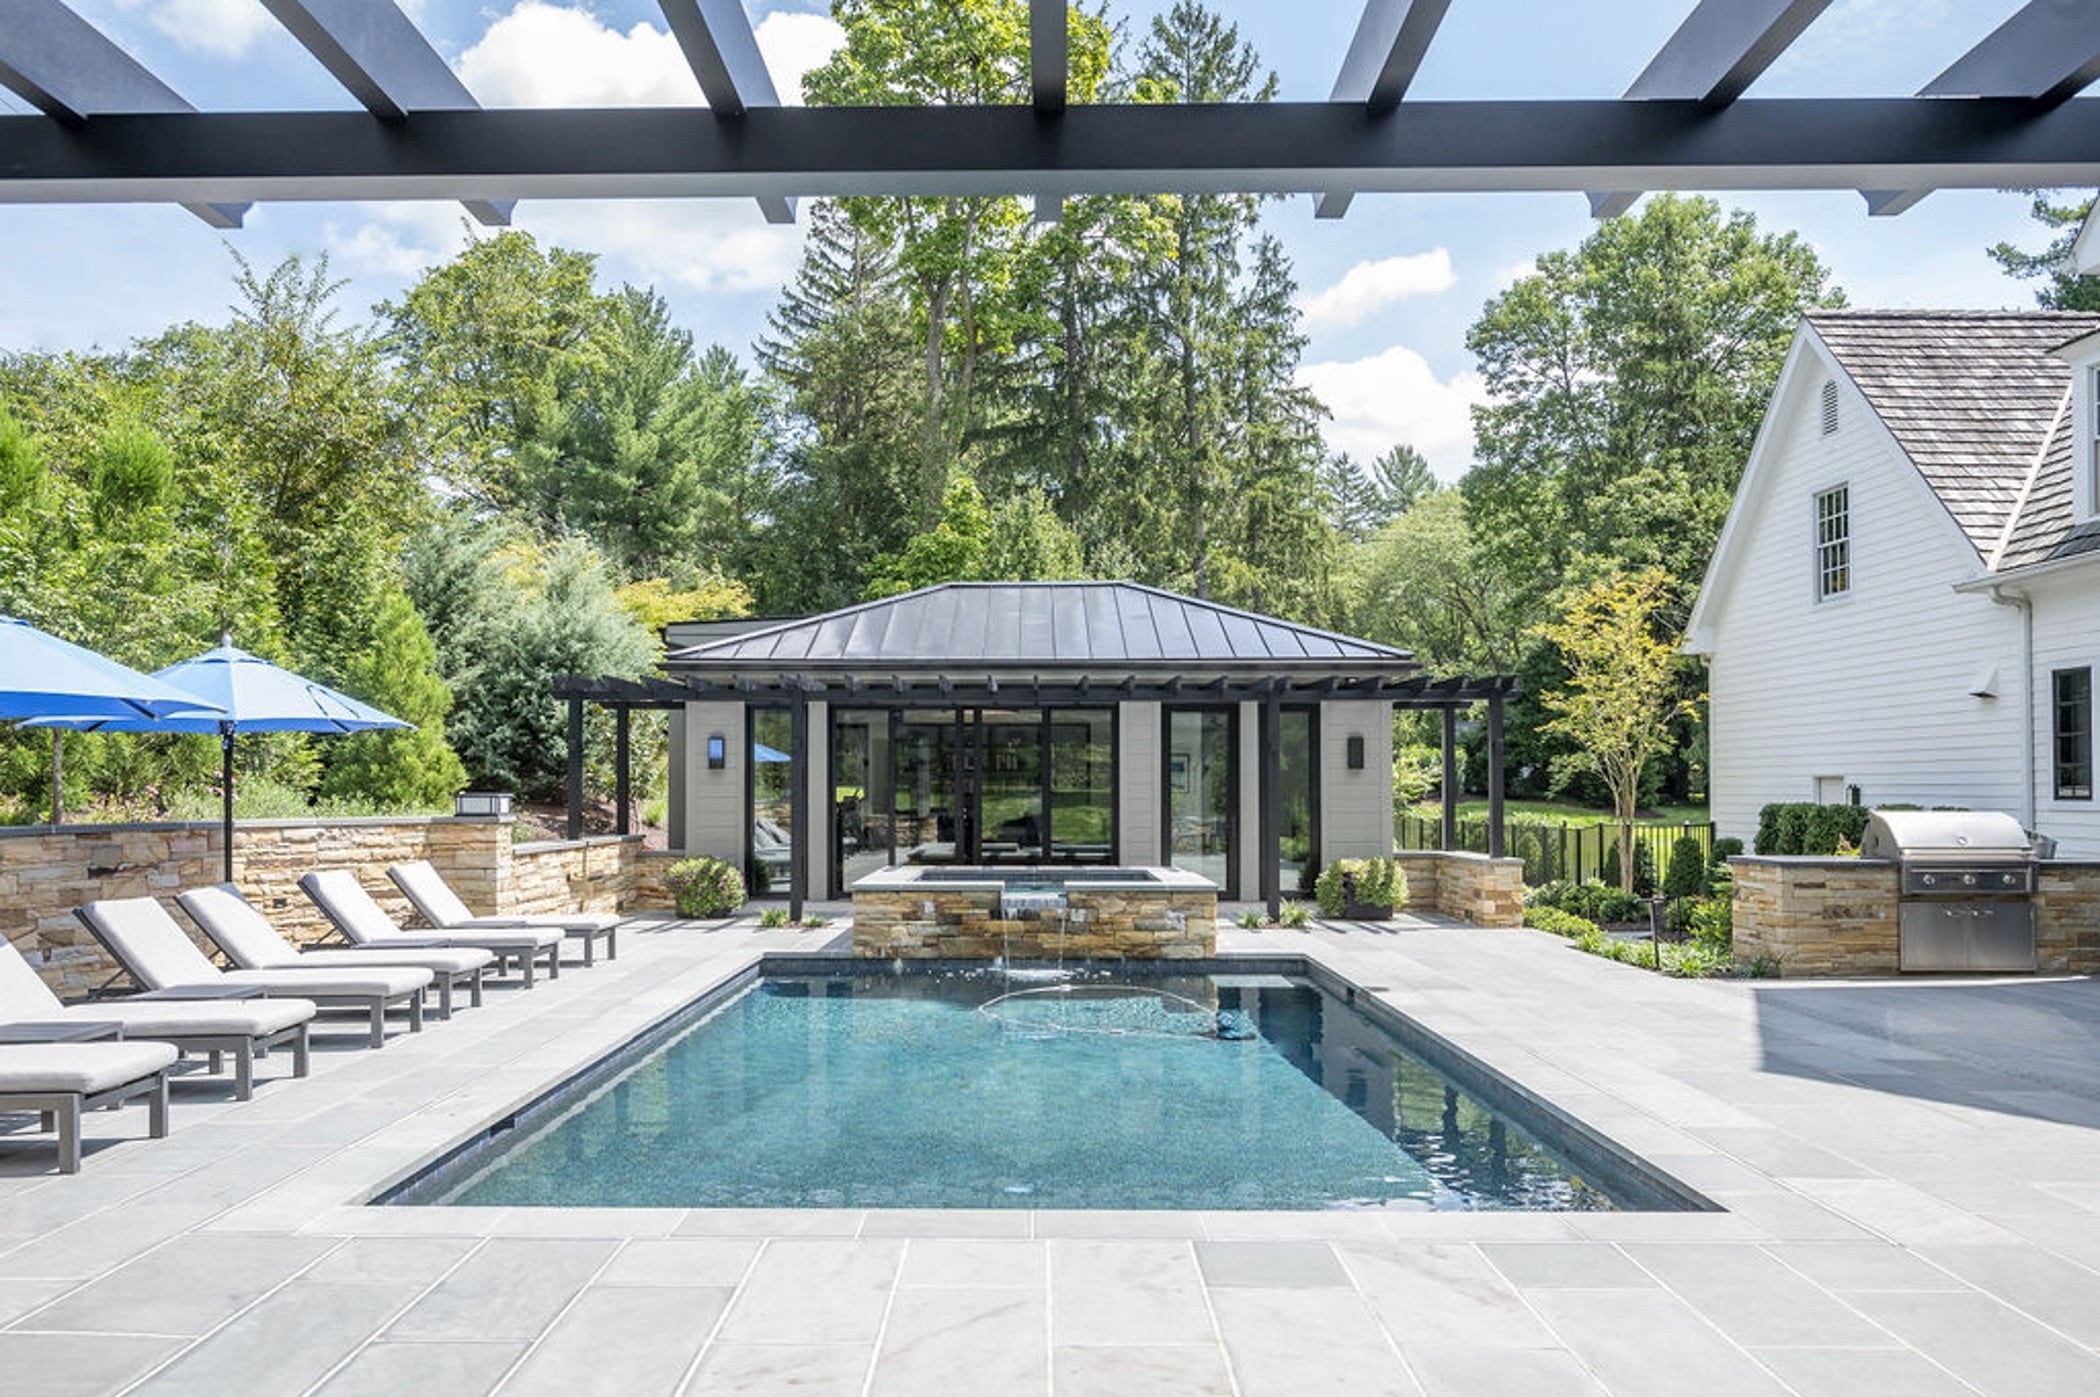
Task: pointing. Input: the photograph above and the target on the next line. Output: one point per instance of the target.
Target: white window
(1833, 542)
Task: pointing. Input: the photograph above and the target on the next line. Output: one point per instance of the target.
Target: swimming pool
(964, 1088)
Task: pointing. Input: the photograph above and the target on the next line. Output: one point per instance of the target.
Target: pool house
(1009, 724)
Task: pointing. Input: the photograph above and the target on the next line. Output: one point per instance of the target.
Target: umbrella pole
(226, 789)
(58, 777)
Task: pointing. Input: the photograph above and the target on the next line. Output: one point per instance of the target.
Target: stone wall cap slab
(1810, 861)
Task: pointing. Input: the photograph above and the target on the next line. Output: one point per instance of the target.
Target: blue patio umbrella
(42, 676)
(249, 694)
(762, 753)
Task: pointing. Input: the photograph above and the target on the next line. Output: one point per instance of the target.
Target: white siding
(1873, 686)
(715, 816)
(2066, 636)
(1138, 782)
(1356, 807)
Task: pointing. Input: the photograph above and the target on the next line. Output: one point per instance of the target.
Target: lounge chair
(157, 953)
(363, 922)
(251, 943)
(61, 1081)
(245, 1029)
(437, 904)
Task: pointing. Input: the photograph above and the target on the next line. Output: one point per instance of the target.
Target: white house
(1905, 602)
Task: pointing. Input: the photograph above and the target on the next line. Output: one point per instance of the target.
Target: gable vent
(1830, 406)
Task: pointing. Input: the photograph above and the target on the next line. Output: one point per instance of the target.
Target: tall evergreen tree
(2061, 289)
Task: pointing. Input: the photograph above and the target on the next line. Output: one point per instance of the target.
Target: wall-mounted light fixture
(717, 751)
(481, 805)
(1356, 751)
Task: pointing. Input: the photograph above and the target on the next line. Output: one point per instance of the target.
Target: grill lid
(1957, 836)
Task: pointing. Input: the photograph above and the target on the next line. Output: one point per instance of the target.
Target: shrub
(758, 877)
(1558, 922)
(1296, 916)
(1713, 922)
(1688, 869)
(1643, 864)
(1376, 883)
(1724, 850)
(1599, 902)
(814, 922)
(1802, 828)
(704, 887)
(1252, 920)
(773, 916)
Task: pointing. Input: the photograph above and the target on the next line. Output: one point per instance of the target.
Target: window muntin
(1833, 542)
(2071, 691)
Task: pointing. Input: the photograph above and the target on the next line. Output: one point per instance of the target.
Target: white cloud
(399, 240)
(1394, 397)
(1370, 286)
(222, 28)
(1506, 277)
(704, 244)
(542, 55)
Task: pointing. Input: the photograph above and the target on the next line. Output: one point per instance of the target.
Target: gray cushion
(151, 944)
(344, 900)
(421, 883)
(361, 981)
(449, 960)
(576, 921)
(243, 933)
(32, 1068)
(510, 939)
(217, 1018)
(23, 993)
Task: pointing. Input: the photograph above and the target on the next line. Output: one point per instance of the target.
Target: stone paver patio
(1910, 1172)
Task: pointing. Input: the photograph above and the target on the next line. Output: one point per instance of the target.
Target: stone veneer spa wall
(1157, 914)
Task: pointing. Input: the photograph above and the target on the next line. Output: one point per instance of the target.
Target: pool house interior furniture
(1031, 724)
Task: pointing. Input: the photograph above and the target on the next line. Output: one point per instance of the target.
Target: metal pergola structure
(796, 689)
(2002, 114)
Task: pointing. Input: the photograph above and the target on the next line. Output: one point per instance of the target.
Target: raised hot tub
(926, 912)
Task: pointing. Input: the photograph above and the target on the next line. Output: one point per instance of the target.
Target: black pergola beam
(1881, 143)
(381, 58)
(63, 66)
(2048, 51)
(1049, 55)
(721, 48)
(1391, 40)
(1712, 58)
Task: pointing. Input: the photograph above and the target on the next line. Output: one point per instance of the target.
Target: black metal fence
(1555, 851)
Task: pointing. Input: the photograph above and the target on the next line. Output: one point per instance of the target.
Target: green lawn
(1475, 808)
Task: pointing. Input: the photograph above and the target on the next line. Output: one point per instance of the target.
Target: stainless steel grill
(1968, 883)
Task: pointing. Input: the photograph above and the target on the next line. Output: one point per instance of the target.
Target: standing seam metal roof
(1043, 624)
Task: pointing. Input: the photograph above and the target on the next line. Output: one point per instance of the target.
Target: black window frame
(2071, 731)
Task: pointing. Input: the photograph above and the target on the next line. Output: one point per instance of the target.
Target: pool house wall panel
(1138, 783)
(717, 815)
(674, 803)
(1356, 807)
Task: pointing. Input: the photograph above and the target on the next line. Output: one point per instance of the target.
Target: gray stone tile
(106, 1240)
(1270, 1265)
(456, 1369)
(977, 1265)
(945, 1222)
(284, 1345)
(1647, 1343)
(770, 1222)
(943, 1341)
(630, 1340)
(1443, 1293)
(1465, 1370)
(1134, 1370)
(1864, 1266)
(1059, 1223)
(815, 1290)
(19, 1297)
(1839, 1372)
(187, 1287)
(2059, 1293)
(63, 1365)
(1755, 1300)
(510, 1289)
(1283, 1343)
(766, 1370)
(1111, 1293)
(681, 1261)
(1984, 1343)
(415, 1261)
(1582, 1265)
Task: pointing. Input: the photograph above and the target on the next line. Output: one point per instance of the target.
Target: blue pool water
(885, 1091)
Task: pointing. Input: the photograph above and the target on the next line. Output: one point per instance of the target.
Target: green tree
(1421, 583)
(2061, 288)
(1403, 478)
(1625, 382)
(407, 769)
(1621, 697)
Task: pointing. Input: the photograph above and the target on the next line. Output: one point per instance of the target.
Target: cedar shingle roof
(1974, 398)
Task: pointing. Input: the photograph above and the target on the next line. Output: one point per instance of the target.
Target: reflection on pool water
(1183, 1091)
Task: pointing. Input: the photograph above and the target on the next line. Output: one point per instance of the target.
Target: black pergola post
(623, 822)
(575, 825)
(1495, 776)
(1272, 803)
(1449, 841)
(798, 818)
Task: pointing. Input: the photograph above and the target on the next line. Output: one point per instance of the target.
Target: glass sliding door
(925, 802)
(772, 797)
(1009, 796)
(863, 804)
(1298, 838)
(1082, 780)
(1202, 793)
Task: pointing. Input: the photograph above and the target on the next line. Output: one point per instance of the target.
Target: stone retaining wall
(932, 922)
(1838, 916)
(1470, 887)
(46, 872)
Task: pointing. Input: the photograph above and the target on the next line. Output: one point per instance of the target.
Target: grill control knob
(1931, 880)
(1968, 879)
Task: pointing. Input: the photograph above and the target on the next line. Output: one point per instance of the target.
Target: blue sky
(1388, 291)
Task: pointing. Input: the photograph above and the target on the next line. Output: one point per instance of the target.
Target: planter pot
(1367, 912)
